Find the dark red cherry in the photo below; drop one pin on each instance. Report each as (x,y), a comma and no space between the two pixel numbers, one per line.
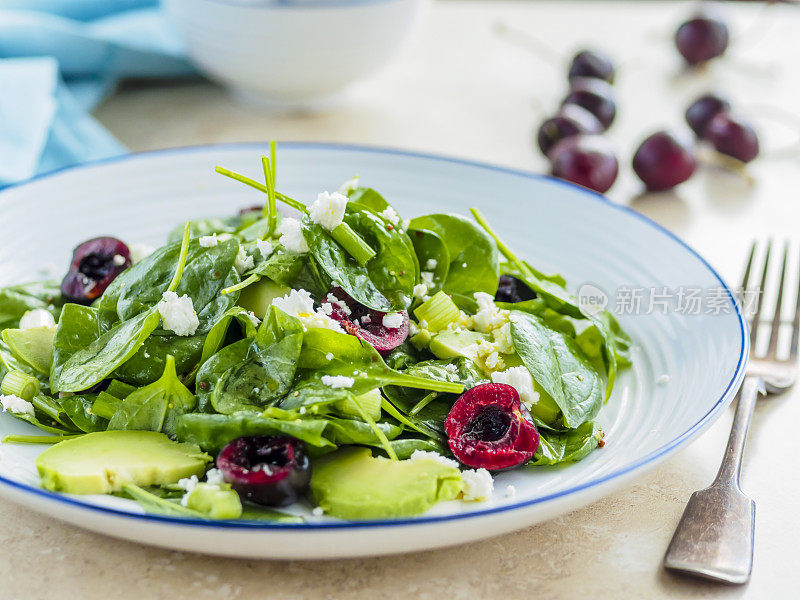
(571,120)
(732,136)
(95,264)
(587,160)
(268,469)
(511,289)
(590,63)
(596,96)
(367,324)
(664,161)
(702,38)
(488,428)
(702,110)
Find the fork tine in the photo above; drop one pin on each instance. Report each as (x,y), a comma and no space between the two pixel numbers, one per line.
(746,277)
(795,327)
(755,321)
(776,319)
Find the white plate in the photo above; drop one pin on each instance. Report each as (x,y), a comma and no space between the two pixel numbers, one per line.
(558,226)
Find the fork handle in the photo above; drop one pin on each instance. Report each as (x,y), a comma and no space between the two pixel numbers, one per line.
(714,538)
(730,469)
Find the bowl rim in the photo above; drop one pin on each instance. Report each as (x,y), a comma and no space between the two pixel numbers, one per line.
(617,475)
(288,5)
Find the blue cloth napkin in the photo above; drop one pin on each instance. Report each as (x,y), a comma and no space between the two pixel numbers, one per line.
(58,59)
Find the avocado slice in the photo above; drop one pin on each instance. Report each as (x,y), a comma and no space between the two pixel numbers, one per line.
(216,501)
(34,346)
(457,342)
(259,296)
(352,484)
(102,462)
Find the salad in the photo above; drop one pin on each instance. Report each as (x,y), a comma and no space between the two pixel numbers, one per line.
(344,361)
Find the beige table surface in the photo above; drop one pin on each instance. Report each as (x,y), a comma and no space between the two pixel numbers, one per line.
(460,90)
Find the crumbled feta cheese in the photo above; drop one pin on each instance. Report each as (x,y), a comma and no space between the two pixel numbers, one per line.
(393,320)
(390,215)
(412,328)
(451,368)
(327,308)
(38,317)
(208,241)
(338,381)
(520,379)
(366,320)
(431,263)
(178,314)
(264,247)
(478,485)
(292,235)
(329,356)
(188,483)
(253,318)
(405,223)
(224,237)
(434,456)
(420,290)
(317,511)
(488,317)
(328,210)
(503,340)
(140,251)
(244,262)
(492,360)
(662,379)
(348,186)
(16,405)
(427,278)
(511,491)
(214,477)
(302,410)
(342,305)
(118,260)
(300,304)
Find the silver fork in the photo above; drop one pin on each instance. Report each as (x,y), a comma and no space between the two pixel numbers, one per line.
(714,538)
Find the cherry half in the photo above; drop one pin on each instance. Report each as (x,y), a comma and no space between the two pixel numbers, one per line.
(488,428)
(95,264)
(270,470)
(591,63)
(702,110)
(663,161)
(596,96)
(587,160)
(364,323)
(511,289)
(570,120)
(732,136)
(701,38)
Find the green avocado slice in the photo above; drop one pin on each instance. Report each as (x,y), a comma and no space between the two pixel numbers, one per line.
(34,346)
(102,462)
(352,484)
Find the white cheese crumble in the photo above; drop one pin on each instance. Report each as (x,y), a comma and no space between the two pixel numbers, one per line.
(520,379)
(329,356)
(478,485)
(118,260)
(366,320)
(327,308)
(300,304)
(38,317)
(420,291)
(393,320)
(208,241)
(140,251)
(451,368)
(431,263)
(338,381)
(15,404)
(434,456)
(214,477)
(662,379)
(328,210)
(292,235)
(405,223)
(390,215)
(188,484)
(244,262)
(511,491)
(488,317)
(427,278)
(178,314)
(264,247)
(342,305)
(317,511)
(253,318)
(348,186)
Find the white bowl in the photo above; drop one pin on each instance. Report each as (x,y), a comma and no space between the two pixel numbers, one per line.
(292,54)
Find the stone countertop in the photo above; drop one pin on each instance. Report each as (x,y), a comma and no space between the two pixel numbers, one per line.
(459,89)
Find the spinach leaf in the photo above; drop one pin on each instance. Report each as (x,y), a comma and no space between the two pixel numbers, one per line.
(566,446)
(354,431)
(254,372)
(78,408)
(559,366)
(281,267)
(16,300)
(78,327)
(155,407)
(405,447)
(216,336)
(101,357)
(474,263)
(429,246)
(368,198)
(156,505)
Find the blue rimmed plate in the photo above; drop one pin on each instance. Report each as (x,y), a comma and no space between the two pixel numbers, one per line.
(689,335)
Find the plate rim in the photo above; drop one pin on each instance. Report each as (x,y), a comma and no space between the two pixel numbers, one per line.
(650,459)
